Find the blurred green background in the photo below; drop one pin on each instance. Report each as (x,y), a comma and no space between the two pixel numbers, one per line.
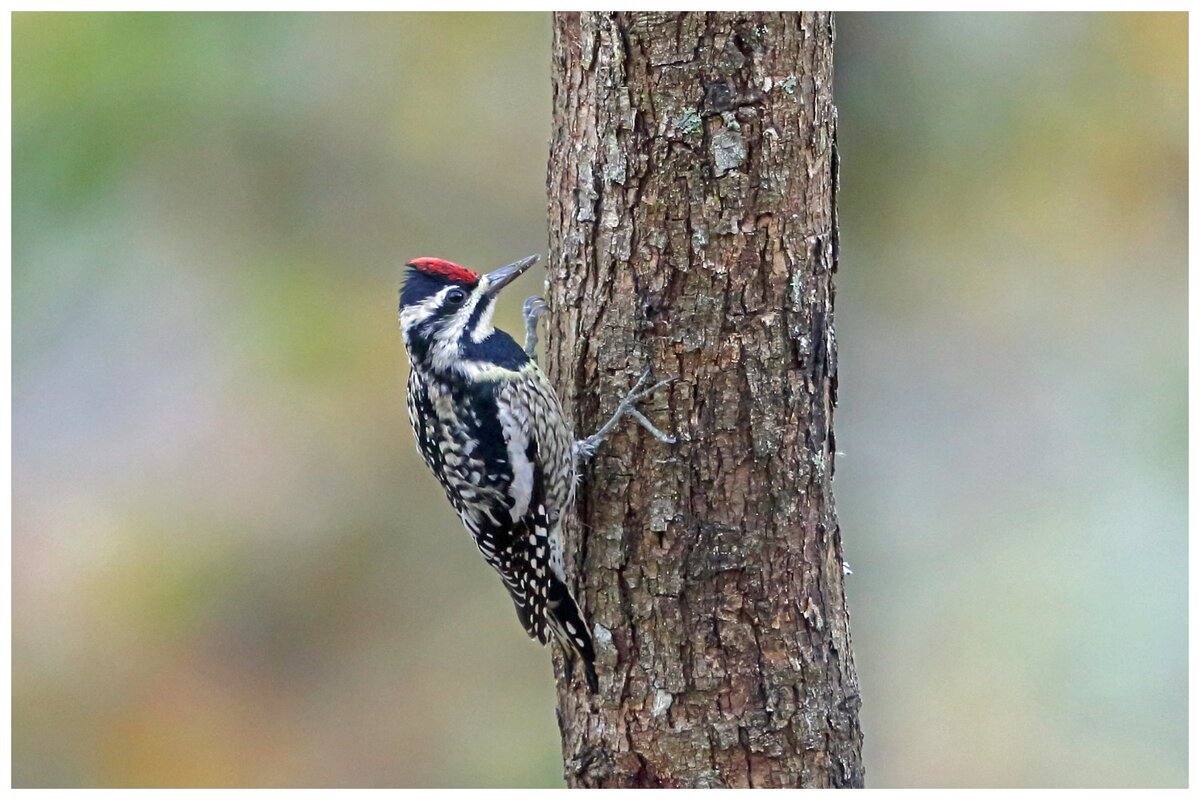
(230,568)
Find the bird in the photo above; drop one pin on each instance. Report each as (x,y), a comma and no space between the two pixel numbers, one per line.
(490,427)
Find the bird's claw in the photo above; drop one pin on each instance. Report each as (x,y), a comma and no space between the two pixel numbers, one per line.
(534,307)
(584,448)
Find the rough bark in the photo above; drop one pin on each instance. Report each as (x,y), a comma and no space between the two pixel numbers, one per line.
(692,223)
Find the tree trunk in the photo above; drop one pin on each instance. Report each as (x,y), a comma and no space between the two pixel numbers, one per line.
(692,226)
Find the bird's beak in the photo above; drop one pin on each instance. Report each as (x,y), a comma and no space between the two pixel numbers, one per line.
(497,279)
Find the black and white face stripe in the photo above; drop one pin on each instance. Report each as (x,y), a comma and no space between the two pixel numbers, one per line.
(437,327)
(480,323)
(445,304)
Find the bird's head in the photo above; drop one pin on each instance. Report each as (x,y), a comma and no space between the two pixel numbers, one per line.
(445,308)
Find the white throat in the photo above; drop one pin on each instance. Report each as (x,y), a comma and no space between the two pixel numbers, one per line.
(483,326)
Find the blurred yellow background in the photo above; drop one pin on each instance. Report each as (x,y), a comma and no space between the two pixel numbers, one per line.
(230,568)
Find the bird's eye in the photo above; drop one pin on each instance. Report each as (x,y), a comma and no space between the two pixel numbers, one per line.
(455,297)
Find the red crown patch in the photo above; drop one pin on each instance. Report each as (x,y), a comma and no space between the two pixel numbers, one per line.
(445,269)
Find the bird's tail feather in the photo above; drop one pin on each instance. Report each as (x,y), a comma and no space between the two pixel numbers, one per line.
(571,629)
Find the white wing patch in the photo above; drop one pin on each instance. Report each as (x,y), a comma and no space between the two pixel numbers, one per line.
(528,408)
(516,437)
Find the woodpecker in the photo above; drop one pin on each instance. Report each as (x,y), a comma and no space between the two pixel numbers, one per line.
(491,429)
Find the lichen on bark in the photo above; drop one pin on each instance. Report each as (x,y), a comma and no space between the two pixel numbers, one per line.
(692,184)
